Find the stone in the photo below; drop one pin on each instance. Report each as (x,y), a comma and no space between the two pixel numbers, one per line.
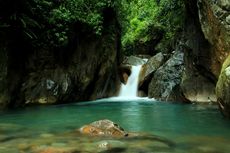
(149,68)
(125,77)
(167,78)
(111,144)
(133,60)
(124,72)
(223,89)
(197,88)
(103,128)
(141,93)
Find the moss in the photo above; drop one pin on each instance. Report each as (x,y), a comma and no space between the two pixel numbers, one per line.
(226,63)
(223,84)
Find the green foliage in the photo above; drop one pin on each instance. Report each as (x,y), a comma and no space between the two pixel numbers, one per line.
(49,22)
(137,17)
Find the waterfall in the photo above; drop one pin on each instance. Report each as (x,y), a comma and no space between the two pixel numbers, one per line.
(130,89)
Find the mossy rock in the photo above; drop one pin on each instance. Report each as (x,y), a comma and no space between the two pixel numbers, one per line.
(223,88)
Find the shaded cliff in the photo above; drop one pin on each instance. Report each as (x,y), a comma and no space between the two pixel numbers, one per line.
(215,23)
(83,69)
(204,41)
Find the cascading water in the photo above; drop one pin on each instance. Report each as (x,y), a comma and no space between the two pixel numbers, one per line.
(130,89)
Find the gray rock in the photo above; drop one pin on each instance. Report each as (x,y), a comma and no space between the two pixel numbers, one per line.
(53,85)
(167,78)
(150,67)
(197,88)
(133,60)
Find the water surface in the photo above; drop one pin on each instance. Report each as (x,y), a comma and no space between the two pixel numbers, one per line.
(191,128)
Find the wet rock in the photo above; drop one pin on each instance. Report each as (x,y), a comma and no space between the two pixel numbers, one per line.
(133,60)
(223,89)
(142,94)
(149,68)
(103,128)
(167,78)
(124,73)
(125,77)
(197,88)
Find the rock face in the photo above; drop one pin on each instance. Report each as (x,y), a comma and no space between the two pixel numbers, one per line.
(86,69)
(90,70)
(167,78)
(223,89)
(214,19)
(149,68)
(103,128)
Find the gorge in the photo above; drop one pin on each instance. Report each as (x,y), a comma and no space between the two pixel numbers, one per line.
(61,62)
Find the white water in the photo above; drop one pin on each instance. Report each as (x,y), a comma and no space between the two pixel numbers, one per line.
(130,89)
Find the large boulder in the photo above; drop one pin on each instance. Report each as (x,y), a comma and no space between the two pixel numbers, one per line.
(149,68)
(165,82)
(223,89)
(197,88)
(103,128)
(198,84)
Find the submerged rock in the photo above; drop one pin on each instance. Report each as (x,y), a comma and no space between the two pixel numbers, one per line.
(54,150)
(111,145)
(103,128)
